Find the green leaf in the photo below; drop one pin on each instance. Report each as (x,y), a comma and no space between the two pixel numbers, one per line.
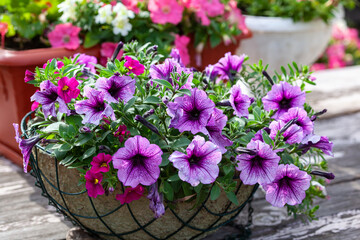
(163,83)
(215,192)
(74,120)
(185,91)
(215,40)
(181,142)
(165,159)
(68,160)
(54,127)
(232,197)
(198,188)
(91,39)
(267,138)
(59,155)
(152,99)
(83,139)
(65,147)
(174,178)
(129,104)
(257,113)
(186,188)
(91,151)
(168,191)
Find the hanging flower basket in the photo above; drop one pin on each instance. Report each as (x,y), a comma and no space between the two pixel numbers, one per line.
(146,150)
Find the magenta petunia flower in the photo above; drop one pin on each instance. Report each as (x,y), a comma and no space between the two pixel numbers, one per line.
(134,66)
(130,194)
(294,134)
(165,11)
(303,120)
(282,97)
(239,102)
(25,145)
(156,201)
(29,76)
(163,71)
(216,123)
(138,162)
(259,168)
(47,97)
(314,141)
(67,88)
(93,184)
(94,108)
(288,187)
(88,60)
(116,88)
(199,164)
(100,163)
(229,65)
(65,35)
(122,133)
(191,113)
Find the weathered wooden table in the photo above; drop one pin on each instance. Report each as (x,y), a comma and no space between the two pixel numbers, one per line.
(25,214)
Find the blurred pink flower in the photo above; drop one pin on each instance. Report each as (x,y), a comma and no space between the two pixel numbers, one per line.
(352,35)
(336,51)
(132,5)
(335,62)
(165,11)
(235,17)
(65,35)
(107,50)
(337,33)
(318,66)
(181,43)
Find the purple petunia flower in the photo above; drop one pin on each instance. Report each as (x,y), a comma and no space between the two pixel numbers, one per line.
(288,187)
(25,145)
(259,136)
(94,108)
(260,167)
(116,88)
(100,163)
(314,141)
(229,65)
(67,88)
(175,54)
(138,162)
(303,120)
(199,164)
(156,201)
(211,72)
(214,127)
(47,97)
(191,113)
(239,102)
(134,66)
(163,71)
(93,184)
(282,97)
(294,134)
(29,76)
(89,61)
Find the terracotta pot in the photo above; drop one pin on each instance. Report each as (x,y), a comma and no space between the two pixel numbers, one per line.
(209,55)
(106,217)
(15,93)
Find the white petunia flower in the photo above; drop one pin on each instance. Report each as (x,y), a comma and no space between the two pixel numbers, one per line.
(67,8)
(121,25)
(122,11)
(105,15)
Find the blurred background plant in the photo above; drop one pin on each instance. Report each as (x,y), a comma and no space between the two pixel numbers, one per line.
(301,10)
(25,22)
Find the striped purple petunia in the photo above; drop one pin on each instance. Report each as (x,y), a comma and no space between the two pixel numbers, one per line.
(293,134)
(191,113)
(303,121)
(282,97)
(116,88)
(288,187)
(259,167)
(94,107)
(199,164)
(239,102)
(138,162)
(229,65)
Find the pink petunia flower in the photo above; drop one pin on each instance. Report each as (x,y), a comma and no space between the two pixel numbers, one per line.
(181,43)
(335,62)
(122,133)
(134,66)
(131,194)
(67,88)
(318,66)
(93,184)
(132,5)
(65,35)
(35,104)
(165,11)
(29,76)
(235,17)
(107,50)
(100,163)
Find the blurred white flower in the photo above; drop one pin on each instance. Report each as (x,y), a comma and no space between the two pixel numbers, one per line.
(121,25)
(105,15)
(67,8)
(122,11)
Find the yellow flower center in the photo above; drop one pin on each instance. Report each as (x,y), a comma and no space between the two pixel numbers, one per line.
(65,88)
(103,165)
(96,181)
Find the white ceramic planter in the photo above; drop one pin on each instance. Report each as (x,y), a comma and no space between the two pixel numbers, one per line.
(279,41)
